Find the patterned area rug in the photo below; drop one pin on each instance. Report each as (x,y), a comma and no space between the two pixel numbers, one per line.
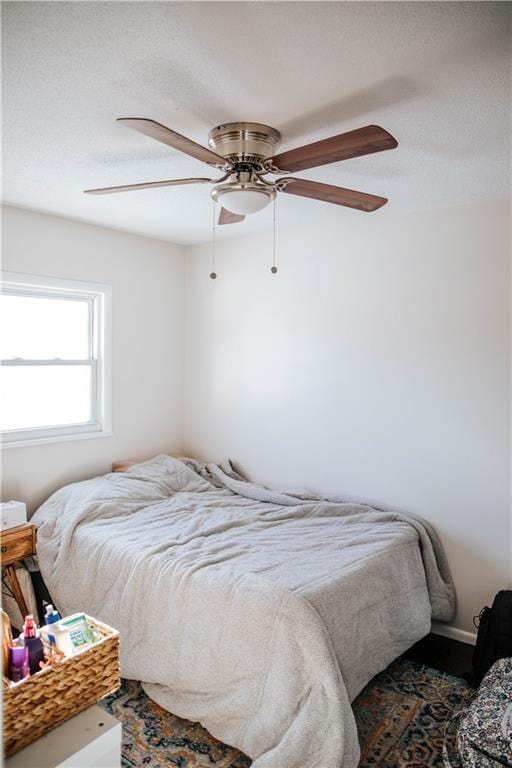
(401,717)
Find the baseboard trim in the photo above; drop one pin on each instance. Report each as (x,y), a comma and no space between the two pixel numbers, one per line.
(445,630)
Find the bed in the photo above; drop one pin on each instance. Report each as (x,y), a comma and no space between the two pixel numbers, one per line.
(261,614)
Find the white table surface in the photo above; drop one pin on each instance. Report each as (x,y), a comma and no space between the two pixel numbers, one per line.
(91,739)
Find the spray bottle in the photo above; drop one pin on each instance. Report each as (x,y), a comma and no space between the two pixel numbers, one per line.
(33,643)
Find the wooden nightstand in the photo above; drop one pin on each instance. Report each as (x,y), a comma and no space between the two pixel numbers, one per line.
(16,544)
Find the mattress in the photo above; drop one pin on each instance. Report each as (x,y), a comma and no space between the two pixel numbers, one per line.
(259,613)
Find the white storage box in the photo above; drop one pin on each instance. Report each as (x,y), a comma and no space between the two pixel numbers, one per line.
(12,514)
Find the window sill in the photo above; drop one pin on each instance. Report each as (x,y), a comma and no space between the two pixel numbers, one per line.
(57,439)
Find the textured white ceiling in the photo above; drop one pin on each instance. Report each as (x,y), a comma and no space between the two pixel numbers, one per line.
(436,75)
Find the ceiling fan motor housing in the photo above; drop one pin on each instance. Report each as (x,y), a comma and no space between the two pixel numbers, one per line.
(244,142)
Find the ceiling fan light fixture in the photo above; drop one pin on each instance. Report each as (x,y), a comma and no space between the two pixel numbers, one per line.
(243,196)
(244,201)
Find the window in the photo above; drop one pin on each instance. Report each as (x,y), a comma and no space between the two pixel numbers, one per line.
(54,359)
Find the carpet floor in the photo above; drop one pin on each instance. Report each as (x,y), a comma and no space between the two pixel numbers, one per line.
(401,717)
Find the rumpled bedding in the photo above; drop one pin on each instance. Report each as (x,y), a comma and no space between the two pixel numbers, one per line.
(259,613)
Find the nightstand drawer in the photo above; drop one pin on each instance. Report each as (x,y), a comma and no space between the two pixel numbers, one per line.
(17,543)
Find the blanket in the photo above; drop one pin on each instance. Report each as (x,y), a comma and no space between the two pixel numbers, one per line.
(259,613)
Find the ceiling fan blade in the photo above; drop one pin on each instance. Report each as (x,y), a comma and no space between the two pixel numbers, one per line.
(228,217)
(330,194)
(362,141)
(144,185)
(175,140)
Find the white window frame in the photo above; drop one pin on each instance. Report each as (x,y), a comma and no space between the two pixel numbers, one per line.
(99,298)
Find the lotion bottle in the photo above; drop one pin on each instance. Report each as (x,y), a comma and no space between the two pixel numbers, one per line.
(19,668)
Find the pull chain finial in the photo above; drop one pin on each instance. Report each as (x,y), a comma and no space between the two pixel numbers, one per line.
(273,268)
(213,273)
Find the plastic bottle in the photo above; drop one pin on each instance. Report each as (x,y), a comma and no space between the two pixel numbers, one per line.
(53,628)
(51,615)
(19,668)
(7,643)
(33,643)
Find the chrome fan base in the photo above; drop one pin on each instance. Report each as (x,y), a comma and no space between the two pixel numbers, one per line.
(244,142)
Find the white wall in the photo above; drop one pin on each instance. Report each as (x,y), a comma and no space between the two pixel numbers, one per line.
(375,363)
(147,278)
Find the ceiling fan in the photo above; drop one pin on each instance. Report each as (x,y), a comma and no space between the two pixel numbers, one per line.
(244,152)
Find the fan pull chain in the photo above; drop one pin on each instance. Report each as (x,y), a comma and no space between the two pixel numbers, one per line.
(213,273)
(273,268)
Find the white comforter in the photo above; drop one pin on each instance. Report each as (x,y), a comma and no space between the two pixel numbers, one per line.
(260,614)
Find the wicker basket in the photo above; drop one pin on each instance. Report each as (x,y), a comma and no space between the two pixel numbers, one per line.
(38,703)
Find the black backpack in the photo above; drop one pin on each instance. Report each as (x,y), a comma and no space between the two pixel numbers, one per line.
(494,639)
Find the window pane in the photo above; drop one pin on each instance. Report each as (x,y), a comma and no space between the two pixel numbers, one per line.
(38,328)
(44,395)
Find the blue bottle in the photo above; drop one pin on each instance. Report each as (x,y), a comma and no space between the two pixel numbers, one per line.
(51,615)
